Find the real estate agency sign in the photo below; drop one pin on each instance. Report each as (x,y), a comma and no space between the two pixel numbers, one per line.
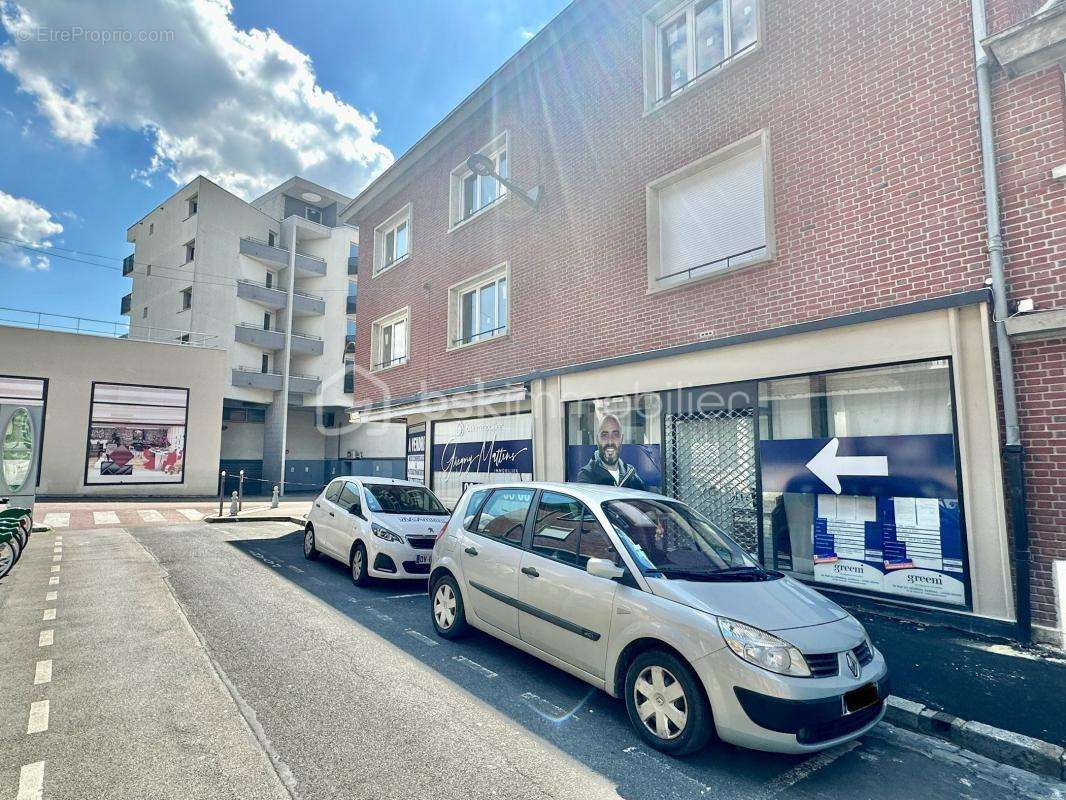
(480,450)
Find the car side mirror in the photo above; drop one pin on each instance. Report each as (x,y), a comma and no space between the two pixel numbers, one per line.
(602,568)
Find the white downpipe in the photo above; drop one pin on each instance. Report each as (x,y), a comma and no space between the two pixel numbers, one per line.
(286,358)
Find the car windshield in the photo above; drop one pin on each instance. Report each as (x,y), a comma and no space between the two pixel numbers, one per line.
(391,499)
(669,537)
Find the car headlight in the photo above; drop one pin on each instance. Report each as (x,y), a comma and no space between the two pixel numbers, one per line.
(384,533)
(763,649)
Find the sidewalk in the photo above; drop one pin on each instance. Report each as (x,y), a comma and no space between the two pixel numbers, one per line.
(287,510)
(976,678)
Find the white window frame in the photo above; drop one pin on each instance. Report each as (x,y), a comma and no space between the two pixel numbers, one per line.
(391,225)
(186,292)
(656,282)
(192,206)
(190,251)
(499,146)
(501,272)
(668,12)
(376,331)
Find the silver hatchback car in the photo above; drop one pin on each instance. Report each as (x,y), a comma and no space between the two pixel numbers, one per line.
(641,596)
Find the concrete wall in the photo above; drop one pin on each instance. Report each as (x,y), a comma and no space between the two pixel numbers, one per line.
(72,362)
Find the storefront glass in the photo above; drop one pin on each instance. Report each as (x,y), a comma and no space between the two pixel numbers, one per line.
(859,481)
(615,441)
(468,452)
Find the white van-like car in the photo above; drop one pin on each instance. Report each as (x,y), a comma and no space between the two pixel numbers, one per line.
(641,596)
(378,527)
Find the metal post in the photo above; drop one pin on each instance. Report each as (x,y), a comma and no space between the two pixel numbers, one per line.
(221,491)
(240,491)
(287,357)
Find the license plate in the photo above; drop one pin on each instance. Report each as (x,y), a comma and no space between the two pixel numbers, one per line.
(863,697)
(423,558)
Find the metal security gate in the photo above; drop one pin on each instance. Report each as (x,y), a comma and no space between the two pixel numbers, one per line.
(709,436)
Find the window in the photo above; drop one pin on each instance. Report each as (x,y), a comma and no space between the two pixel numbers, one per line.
(151,228)
(349,499)
(389,499)
(392,240)
(470,192)
(266,320)
(144,313)
(265,364)
(334,491)
(193,204)
(478,307)
(565,530)
(504,515)
(615,441)
(272,239)
(184,338)
(712,216)
(694,40)
(389,341)
(190,251)
(186,299)
(474,506)
(313,214)
(269,280)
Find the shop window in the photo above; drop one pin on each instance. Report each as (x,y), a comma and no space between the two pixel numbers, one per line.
(615,442)
(860,481)
(392,240)
(478,308)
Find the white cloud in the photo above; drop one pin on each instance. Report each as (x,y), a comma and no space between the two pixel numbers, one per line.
(26,222)
(527,33)
(242,107)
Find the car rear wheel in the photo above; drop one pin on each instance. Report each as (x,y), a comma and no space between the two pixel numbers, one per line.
(310,550)
(359,573)
(666,705)
(449,616)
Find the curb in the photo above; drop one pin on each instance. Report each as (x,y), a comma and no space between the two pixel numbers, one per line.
(273,518)
(1006,747)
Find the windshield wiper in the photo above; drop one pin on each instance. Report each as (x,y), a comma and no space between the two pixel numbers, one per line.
(741,573)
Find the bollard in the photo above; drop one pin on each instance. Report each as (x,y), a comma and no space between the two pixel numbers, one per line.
(221,491)
(233,505)
(274,498)
(240,491)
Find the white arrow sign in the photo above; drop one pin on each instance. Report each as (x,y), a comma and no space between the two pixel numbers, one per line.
(827,466)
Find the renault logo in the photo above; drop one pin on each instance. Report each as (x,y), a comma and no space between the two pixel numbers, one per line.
(853,664)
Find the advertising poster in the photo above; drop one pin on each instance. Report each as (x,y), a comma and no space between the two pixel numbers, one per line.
(136,435)
(416,453)
(482,450)
(886,515)
(615,442)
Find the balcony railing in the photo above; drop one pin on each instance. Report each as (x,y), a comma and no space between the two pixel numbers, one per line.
(139,332)
(274,339)
(279,257)
(127,265)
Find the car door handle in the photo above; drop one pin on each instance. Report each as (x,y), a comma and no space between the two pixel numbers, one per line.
(531,572)
(318,505)
(332,514)
(471,551)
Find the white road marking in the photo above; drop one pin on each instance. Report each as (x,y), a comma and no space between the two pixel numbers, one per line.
(484,671)
(51,596)
(46,638)
(38,717)
(402,596)
(544,707)
(151,515)
(49,615)
(31,782)
(43,673)
(786,780)
(296,569)
(58,558)
(57,520)
(105,518)
(191,514)
(55,568)
(421,637)
(383,617)
(53,581)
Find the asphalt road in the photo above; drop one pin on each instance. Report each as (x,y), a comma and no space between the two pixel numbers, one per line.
(214,661)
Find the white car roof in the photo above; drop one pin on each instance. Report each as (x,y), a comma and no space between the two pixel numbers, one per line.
(375,481)
(589,492)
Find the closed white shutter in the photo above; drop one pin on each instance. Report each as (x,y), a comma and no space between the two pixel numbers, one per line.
(713,215)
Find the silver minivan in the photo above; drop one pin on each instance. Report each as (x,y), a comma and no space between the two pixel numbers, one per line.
(641,596)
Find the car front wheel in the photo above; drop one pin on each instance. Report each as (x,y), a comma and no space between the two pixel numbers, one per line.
(310,551)
(359,572)
(666,705)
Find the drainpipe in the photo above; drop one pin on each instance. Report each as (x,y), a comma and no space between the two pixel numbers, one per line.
(1000,312)
(287,356)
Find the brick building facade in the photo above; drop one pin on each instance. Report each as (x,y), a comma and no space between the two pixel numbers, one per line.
(852,133)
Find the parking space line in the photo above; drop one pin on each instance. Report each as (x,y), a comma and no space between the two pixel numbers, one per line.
(57,520)
(31,782)
(51,596)
(46,638)
(38,722)
(786,780)
(48,615)
(54,581)
(150,515)
(402,596)
(43,674)
(55,568)
(421,637)
(105,518)
(383,617)
(58,558)
(191,514)
(484,671)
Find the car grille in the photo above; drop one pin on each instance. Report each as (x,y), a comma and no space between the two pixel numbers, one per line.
(842,726)
(823,665)
(416,569)
(421,542)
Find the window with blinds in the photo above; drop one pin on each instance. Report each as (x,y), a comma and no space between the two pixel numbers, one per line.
(714,217)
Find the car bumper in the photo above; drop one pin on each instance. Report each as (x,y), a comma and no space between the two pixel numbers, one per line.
(761,710)
(396,560)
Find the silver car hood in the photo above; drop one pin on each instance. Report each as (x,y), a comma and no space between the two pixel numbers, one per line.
(412,524)
(776,605)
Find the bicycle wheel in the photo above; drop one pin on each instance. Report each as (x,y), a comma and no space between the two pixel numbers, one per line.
(8,558)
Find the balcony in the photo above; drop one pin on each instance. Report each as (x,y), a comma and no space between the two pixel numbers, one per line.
(304,304)
(349,307)
(258,336)
(279,258)
(127,265)
(126,300)
(249,378)
(353,266)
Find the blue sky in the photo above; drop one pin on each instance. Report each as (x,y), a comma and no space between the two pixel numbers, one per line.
(96,133)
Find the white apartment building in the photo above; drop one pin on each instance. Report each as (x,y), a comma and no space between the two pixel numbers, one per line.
(274,281)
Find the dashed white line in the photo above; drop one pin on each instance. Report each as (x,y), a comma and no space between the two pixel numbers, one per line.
(54,581)
(31,782)
(43,673)
(150,515)
(105,518)
(51,596)
(484,671)
(38,717)
(55,568)
(57,520)
(58,558)
(402,596)
(421,637)
(383,617)
(46,638)
(48,615)
(191,514)
(296,569)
